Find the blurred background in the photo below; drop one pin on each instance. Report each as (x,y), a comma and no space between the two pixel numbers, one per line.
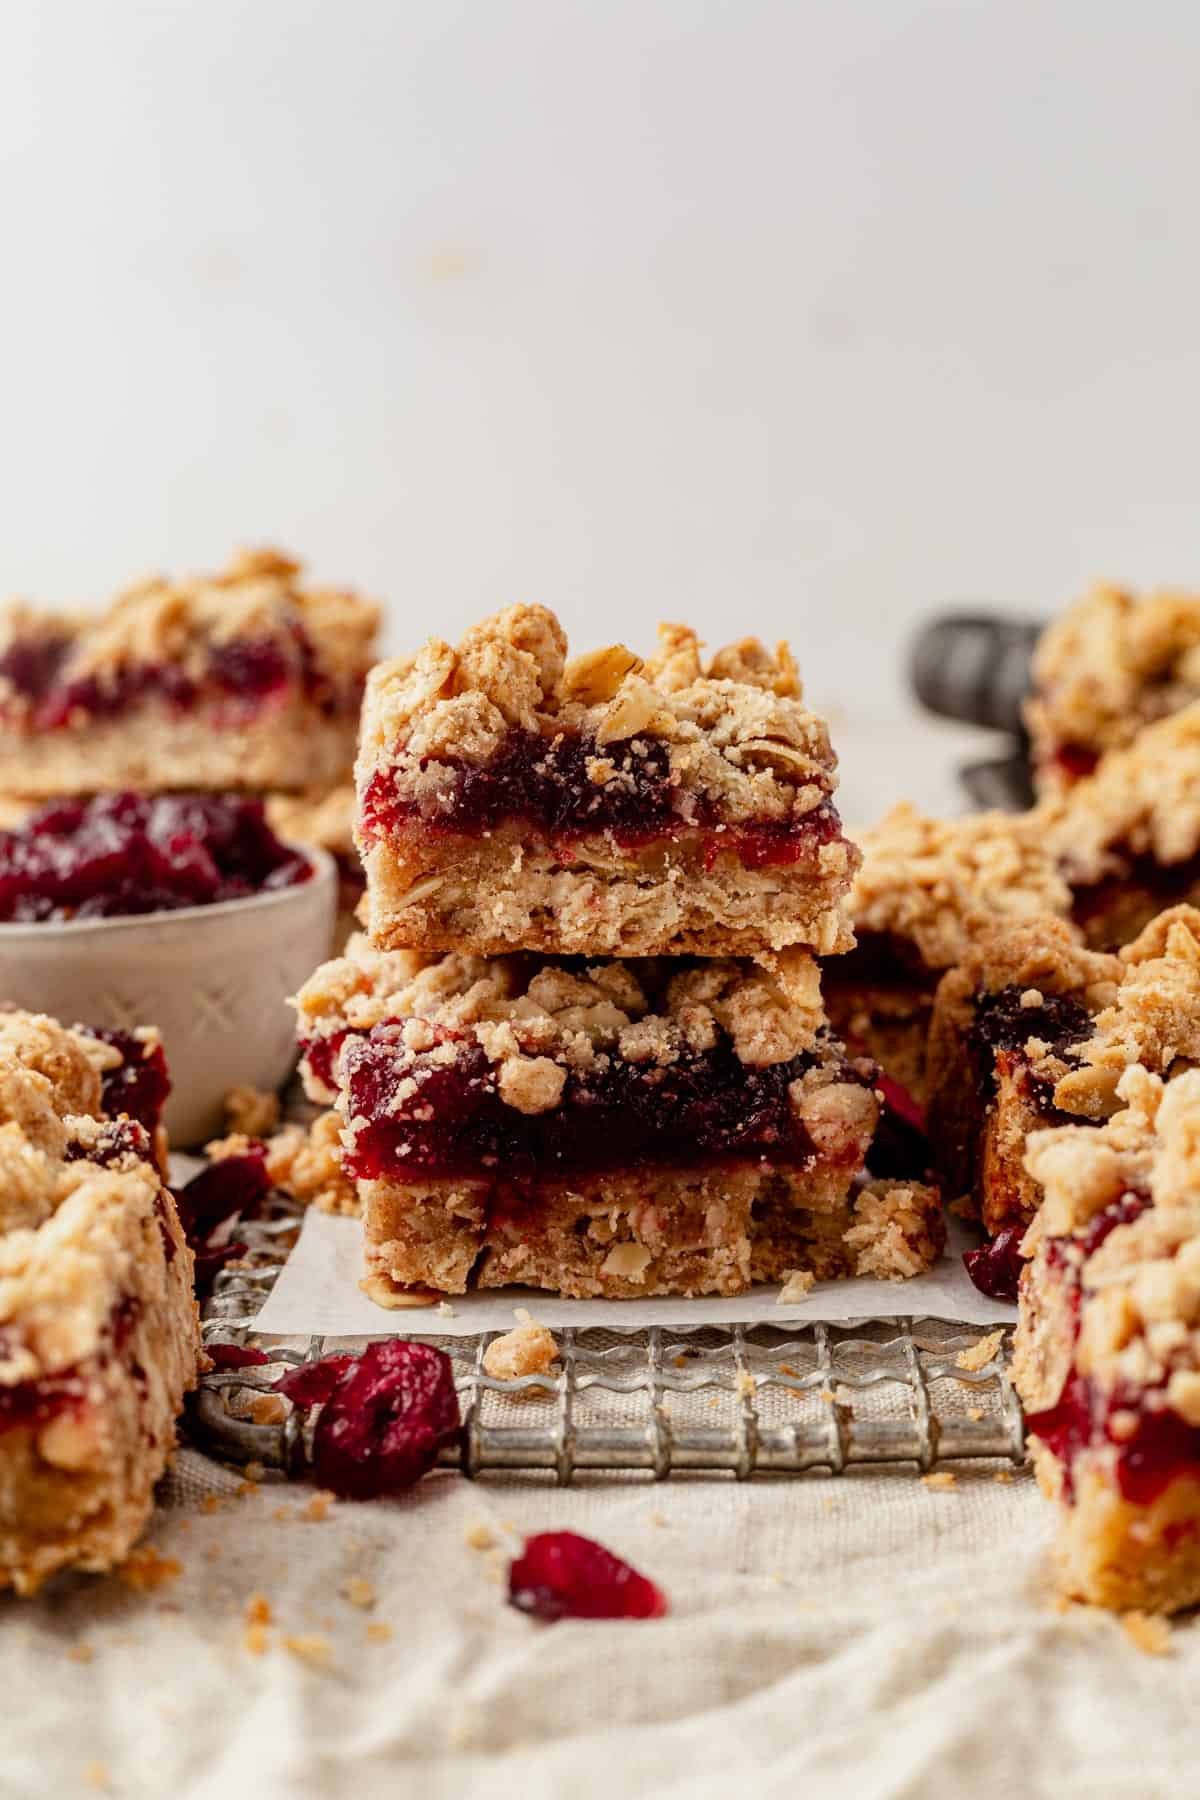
(804,319)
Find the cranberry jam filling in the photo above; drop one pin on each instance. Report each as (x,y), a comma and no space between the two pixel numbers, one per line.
(1003,1026)
(133,853)
(32,1404)
(138,1086)
(545,783)
(428,1119)
(242,677)
(1161,1448)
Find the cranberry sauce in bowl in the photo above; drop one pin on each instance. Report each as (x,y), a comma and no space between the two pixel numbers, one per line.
(180,911)
(125,854)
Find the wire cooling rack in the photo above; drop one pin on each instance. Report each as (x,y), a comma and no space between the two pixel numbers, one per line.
(743,1401)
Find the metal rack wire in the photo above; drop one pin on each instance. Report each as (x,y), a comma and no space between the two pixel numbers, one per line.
(741,1401)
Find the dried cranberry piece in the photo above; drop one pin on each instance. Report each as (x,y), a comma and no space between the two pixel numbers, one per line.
(232,1185)
(312,1384)
(224,1189)
(235,1356)
(385,1416)
(561,1575)
(995,1267)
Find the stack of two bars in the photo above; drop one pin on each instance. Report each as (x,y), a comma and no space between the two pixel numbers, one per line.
(583,1046)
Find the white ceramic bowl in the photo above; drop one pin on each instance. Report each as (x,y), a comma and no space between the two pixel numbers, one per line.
(214,979)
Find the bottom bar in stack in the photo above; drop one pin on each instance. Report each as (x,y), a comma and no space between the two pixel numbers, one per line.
(622,1129)
(99,1333)
(1107,1353)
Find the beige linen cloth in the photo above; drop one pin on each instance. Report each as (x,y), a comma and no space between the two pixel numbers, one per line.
(862,1636)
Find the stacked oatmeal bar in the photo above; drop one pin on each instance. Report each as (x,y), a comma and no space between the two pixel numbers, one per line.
(99,1333)
(585,1047)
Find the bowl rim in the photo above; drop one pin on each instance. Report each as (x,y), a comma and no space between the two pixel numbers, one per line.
(324,875)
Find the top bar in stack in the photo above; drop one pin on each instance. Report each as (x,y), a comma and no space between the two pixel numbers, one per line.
(599,807)
(240,680)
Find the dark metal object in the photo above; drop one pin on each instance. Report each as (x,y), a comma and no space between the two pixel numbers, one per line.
(977,669)
(974,669)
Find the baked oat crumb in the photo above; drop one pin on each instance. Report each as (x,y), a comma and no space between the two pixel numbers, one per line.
(258,1610)
(976,1414)
(1005,1477)
(1148,1632)
(797,1284)
(479,1536)
(316,1511)
(268,1409)
(98,1775)
(250,1112)
(983,1351)
(941,1481)
(745,1386)
(145,1570)
(310,1648)
(529,1349)
(358,1592)
(81,1653)
(446,1311)
(379,1632)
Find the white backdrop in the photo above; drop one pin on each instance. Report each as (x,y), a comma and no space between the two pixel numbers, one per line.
(812,318)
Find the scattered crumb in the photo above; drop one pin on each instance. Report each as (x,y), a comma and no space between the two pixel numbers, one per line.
(828,1395)
(530,1349)
(311,1648)
(679,1362)
(258,1610)
(255,1471)
(282,1513)
(268,1409)
(658,1518)
(212,1503)
(358,1592)
(379,1633)
(80,1653)
(244,1488)
(251,1112)
(318,1507)
(787,1369)
(981,1352)
(146,1569)
(256,1639)
(1003,1476)
(975,1414)
(942,1480)
(715,1401)
(479,1536)
(796,1285)
(745,1385)
(97,1775)
(1148,1631)
(447,1311)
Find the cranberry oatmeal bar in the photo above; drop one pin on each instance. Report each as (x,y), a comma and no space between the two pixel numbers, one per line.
(1127,838)
(99,1333)
(1111,665)
(241,680)
(604,806)
(624,1128)
(1107,1352)
(1034,1030)
(926,888)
